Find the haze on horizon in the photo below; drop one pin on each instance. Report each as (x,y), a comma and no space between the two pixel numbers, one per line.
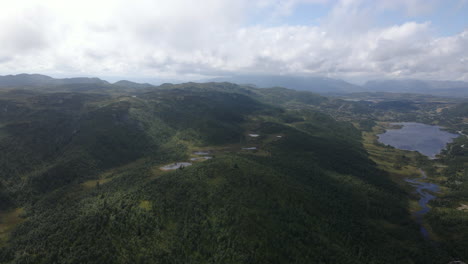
(355,40)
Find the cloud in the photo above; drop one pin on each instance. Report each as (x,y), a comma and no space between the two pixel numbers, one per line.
(286,7)
(5,59)
(23,31)
(146,38)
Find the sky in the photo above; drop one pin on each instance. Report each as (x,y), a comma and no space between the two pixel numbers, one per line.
(354,40)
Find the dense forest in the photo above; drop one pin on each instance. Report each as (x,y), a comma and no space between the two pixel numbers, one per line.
(288,179)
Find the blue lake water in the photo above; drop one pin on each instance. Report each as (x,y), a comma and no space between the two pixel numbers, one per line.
(426,139)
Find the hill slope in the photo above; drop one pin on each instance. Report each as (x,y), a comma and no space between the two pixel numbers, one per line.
(282,185)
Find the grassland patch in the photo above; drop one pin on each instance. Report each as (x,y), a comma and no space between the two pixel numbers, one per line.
(8,221)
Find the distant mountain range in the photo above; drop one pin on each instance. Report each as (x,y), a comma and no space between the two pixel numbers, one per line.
(320,85)
(441,88)
(335,86)
(43,80)
(303,83)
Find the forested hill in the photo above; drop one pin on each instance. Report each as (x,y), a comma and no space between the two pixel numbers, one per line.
(38,80)
(81,179)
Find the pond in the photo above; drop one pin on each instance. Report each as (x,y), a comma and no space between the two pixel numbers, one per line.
(250,148)
(427,140)
(176,165)
(201,158)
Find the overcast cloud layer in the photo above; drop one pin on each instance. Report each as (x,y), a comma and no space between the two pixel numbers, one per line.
(169,39)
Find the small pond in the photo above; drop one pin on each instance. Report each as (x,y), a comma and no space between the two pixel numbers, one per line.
(201,153)
(176,165)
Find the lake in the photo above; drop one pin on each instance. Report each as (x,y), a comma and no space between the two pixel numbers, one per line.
(427,140)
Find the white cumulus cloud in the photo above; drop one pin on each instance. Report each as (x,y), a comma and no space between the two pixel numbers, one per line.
(147,38)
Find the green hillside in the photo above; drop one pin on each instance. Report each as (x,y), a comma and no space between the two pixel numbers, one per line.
(81,180)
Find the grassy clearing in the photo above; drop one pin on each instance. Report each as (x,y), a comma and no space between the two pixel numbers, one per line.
(8,221)
(440,109)
(145,205)
(399,163)
(93,183)
(463,206)
(108,175)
